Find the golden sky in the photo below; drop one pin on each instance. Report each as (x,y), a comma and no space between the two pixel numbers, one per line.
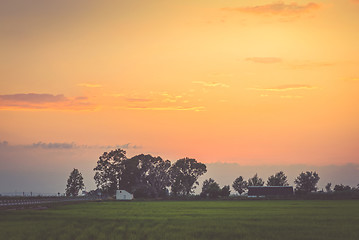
(249,82)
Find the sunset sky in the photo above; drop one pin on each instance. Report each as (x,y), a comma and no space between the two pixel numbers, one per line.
(248,82)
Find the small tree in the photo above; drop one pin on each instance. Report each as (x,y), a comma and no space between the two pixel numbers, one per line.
(255,181)
(279,179)
(328,187)
(342,188)
(240,185)
(225,191)
(109,170)
(307,182)
(75,183)
(210,189)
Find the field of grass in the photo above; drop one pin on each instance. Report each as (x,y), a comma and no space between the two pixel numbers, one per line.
(186,220)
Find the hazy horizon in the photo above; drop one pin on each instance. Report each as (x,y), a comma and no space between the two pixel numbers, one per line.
(55,161)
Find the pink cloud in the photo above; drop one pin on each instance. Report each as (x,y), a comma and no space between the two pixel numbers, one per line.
(23,101)
(33,98)
(279,8)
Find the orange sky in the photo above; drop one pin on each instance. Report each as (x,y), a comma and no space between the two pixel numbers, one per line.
(248,82)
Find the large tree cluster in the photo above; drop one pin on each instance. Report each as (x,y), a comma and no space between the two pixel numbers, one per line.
(145,175)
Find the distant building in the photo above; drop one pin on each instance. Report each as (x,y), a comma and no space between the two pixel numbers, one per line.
(262,191)
(123,195)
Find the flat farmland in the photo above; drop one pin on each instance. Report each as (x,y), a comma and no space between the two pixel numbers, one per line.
(252,219)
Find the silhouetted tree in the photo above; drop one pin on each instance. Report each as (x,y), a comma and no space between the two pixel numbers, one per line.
(240,185)
(307,182)
(109,169)
(279,179)
(143,175)
(225,191)
(75,183)
(255,181)
(184,174)
(146,176)
(342,188)
(328,187)
(210,189)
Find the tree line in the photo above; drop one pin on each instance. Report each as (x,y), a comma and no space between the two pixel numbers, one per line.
(151,177)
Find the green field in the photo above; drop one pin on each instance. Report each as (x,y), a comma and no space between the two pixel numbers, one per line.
(186,220)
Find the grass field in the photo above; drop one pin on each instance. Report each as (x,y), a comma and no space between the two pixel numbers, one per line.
(186,220)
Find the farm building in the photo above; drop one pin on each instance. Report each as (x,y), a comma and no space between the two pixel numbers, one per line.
(255,191)
(123,195)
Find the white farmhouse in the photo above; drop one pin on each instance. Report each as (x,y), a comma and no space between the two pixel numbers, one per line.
(123,195)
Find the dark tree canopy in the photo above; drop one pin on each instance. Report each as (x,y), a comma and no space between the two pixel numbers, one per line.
(279,179)
(75,183)
(225,191)
(240,185)
(307,182)
(210,189)
(143,175)
(109,170)
(184,174)
(146,176)
(342,188)
(255,181)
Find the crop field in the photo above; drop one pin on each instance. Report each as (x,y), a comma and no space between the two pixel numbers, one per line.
(262,219)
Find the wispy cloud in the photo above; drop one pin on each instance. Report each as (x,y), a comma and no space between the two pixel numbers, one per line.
(138,99)
(43,101)
(279,8)
(52,145)
(33,98)
(284,88)
(4,144)
(170,98)
(211,84)
(89,85)
(264,59)
(174,108)
(154,100)
(67,146)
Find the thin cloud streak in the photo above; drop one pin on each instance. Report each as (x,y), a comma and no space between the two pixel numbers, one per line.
(36,101)
(138,99)
(67,146)
(179,108)
(284,88)
(33,98)
(211,84)
(279,8)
